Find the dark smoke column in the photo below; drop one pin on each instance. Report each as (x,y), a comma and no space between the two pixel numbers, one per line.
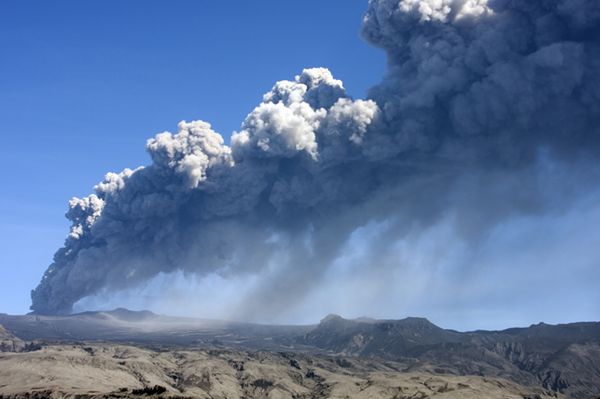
(472,85)
(202,206)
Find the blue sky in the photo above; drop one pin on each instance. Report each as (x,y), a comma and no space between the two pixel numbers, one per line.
(84,84)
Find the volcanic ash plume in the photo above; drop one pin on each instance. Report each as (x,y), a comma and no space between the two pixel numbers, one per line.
(476,92)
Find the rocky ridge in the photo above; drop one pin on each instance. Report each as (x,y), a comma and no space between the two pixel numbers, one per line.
(556,359)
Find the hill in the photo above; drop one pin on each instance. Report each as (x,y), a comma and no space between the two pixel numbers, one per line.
(116,371)
(564,359)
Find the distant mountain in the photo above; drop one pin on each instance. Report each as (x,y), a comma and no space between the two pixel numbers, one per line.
(385,338)
(144,327)
(562,358)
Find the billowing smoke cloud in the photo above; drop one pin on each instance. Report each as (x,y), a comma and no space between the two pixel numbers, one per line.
(486,107)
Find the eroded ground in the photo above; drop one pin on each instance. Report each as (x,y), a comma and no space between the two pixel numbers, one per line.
(110,370)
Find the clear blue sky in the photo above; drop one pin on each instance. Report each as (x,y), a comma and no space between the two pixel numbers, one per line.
(84,84)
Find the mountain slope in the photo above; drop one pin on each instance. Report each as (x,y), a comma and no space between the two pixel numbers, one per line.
(143,327)
(8,342)
(385,338)
(563,358)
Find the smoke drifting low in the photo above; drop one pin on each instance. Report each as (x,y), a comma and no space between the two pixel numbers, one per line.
(489,108)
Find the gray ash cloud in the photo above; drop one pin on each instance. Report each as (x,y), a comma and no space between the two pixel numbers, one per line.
(484,103)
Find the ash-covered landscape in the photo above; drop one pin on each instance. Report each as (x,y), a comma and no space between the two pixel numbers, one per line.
(123,353)
(426,227)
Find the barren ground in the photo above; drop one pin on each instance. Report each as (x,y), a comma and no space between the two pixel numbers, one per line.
(112,370)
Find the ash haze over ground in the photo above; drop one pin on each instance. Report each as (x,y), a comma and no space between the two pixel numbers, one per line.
(463,188)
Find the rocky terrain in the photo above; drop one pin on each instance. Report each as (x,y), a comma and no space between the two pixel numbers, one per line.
(124,354)
(561,358)
(8,342)
(112,370)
